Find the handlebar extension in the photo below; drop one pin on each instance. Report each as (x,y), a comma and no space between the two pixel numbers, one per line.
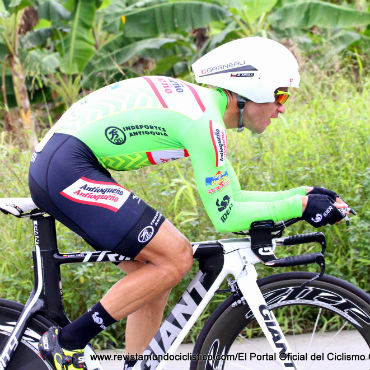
(303,259)
(305,238)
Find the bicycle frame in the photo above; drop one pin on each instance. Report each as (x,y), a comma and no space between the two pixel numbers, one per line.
(217,260)
(225,257)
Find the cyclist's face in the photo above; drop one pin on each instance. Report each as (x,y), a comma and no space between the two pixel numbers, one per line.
(257,116)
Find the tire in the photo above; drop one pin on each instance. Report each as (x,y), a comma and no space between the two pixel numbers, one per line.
(330,309)
(26,356)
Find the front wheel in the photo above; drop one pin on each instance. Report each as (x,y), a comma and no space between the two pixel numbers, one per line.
(26,356)
(327,325)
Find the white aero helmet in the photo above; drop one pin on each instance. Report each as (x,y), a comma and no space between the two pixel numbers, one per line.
(252,67)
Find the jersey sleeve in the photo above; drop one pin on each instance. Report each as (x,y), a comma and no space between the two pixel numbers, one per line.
(230,208)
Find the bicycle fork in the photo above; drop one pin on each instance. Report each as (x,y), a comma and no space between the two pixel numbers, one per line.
(247,284)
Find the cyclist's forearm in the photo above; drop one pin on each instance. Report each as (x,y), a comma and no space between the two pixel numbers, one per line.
(268,196)
(241,215)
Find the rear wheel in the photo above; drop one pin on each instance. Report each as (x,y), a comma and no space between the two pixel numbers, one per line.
(327,325)
(26,356)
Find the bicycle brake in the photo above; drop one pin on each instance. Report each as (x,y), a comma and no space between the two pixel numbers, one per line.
(344,211)
(303,259)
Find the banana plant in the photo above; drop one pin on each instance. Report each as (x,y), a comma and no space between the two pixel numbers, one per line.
(71,24)
(97,42)
(321,27)
(11,17)
(307,14)
(158,30)
(66,29)
(247,18)
(250,15)
(78,46)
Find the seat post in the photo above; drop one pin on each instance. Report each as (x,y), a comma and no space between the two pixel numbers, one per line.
(44,233)
(47,270)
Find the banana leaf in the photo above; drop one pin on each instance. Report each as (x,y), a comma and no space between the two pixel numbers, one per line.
(253,9)
(77,47)
(53,11)
(171,17)
(117,52)
(318,13)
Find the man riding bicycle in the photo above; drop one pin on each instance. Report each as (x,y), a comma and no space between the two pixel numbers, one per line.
(148,121)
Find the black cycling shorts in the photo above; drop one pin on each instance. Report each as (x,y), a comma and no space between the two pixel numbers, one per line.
(67,181)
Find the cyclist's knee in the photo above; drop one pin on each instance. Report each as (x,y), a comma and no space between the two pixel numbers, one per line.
(170,251)
(167,246)
(184,259)
(177,264)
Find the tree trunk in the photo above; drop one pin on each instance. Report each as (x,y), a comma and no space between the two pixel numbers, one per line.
(23,102)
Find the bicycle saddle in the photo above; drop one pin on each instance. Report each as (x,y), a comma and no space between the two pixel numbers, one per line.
(17,206)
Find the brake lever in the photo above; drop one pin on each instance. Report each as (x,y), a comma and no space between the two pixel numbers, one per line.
(344,211)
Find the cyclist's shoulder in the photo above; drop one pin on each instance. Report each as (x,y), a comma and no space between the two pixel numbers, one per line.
(145,103)
(167,95)
(190,100)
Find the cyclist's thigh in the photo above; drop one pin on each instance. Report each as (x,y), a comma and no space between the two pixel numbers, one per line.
(168,246)
(67,181)
(130,266)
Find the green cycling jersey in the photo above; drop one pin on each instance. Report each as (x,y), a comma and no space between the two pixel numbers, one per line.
(153,120)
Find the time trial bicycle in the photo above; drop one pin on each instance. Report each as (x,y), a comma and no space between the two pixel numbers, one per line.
(279,306)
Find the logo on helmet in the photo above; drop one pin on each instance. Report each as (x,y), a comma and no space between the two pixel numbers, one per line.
(238,66)
(242,75)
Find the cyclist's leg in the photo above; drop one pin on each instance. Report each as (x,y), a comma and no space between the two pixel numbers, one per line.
(169,257)
(143,323)
(68,182)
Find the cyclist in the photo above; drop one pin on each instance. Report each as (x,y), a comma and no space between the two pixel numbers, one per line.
(153,120)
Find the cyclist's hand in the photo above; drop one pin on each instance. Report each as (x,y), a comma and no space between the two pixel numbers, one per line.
(331,194)
(321,210)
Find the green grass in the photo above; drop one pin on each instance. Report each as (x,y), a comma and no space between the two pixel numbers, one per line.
(322,140)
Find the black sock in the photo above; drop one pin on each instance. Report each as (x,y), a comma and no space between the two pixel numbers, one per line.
(78,333)
(129,364)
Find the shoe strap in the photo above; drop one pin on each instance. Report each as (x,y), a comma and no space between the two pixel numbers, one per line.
(78,361)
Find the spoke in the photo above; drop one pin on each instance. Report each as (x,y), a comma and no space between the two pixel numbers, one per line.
(293,329)
(255,347)
(313,334)
(250,343)
(336,334)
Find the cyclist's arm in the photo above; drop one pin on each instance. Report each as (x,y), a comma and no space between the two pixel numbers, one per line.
(228,208)
(261,196)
